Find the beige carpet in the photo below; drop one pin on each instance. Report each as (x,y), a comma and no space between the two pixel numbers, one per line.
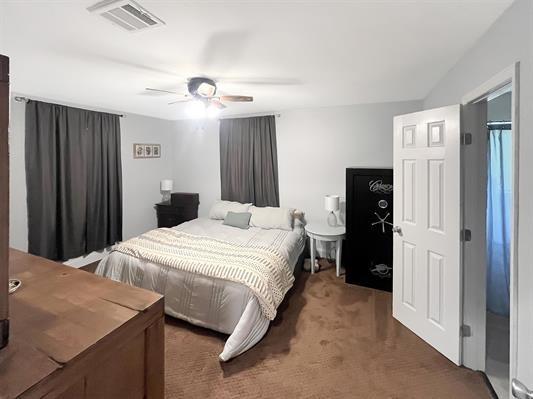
(330,340)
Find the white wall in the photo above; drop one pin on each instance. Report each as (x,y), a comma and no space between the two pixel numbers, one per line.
(315,146)
(141,177)
(3,29)
(500,108)
(509,40)
(18,217)
(197,161)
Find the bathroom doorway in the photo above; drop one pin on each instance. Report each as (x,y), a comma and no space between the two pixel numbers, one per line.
(498,238)
(490,171)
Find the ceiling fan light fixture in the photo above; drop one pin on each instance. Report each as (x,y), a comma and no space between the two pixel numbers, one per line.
(201,87)
(213,111)
(202,99)
(196,109)
(206,89)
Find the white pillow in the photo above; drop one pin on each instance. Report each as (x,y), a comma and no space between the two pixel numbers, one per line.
(271,218)
(220,209)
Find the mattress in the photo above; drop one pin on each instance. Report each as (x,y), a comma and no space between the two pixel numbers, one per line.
(220,305)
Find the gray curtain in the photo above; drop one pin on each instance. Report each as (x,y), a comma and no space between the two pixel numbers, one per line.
(74,180)
(249,160)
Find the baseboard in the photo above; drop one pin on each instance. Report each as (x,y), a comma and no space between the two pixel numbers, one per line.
(492,392)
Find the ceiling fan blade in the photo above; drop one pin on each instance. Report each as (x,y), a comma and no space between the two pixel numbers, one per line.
(217,104)
(164,91)
(183,100)
(237,98)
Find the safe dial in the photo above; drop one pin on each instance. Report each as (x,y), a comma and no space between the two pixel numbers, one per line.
(383,204)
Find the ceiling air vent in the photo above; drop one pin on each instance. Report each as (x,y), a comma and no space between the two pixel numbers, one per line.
(127,14)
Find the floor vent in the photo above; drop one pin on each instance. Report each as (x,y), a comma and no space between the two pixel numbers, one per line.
(127,14)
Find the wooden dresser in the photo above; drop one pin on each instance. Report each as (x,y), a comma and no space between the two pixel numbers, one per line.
(182,207)
(77,335)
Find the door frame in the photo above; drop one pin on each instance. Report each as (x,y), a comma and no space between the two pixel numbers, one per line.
(509,76)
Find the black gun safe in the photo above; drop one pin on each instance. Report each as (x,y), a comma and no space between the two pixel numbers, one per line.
(368,245)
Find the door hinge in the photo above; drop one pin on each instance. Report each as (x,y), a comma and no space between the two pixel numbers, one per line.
(465,331)
(466,138)
(466,235)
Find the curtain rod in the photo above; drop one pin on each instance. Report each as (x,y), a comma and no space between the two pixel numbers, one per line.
(21,99)
(499,122)
(278,115)
(499,125)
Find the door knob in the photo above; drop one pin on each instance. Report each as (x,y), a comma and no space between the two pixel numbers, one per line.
(520,391)
(397,229)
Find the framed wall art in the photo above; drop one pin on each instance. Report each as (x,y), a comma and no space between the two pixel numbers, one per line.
(142,150)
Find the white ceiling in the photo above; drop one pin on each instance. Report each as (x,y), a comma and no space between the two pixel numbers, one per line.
(287,54)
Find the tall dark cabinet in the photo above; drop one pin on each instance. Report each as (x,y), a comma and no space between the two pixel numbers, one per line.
(368,248)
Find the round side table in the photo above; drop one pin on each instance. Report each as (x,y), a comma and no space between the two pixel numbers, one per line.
(323,232)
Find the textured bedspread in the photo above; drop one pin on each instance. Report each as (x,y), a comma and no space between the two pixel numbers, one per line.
(262,269)
(221,305)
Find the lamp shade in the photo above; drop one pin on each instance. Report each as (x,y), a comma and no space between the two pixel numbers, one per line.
(331,203)
(166,185)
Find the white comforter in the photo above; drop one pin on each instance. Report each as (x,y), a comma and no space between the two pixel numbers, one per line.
(217,304)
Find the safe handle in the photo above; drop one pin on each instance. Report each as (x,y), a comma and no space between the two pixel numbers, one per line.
(397,229)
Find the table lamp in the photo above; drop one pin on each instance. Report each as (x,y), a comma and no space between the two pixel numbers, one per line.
(331,203)
(166,189)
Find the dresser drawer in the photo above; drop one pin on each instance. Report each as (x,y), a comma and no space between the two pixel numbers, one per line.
(171,214)
(169,220)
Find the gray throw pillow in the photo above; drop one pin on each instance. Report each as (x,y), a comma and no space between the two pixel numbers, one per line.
(238,219)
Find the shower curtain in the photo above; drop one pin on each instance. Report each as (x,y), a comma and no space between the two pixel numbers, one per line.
(498,218)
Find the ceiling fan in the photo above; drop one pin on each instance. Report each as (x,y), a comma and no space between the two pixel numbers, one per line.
(203,91)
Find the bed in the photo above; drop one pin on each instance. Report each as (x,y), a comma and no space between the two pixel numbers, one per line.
(220,304)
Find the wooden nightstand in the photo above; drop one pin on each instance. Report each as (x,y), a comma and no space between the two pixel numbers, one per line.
(182,207)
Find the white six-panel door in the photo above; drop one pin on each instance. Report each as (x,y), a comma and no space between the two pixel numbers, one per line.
(427,215)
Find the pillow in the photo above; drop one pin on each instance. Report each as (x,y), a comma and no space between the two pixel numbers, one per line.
(221,208)
(271,218)
(240,220)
